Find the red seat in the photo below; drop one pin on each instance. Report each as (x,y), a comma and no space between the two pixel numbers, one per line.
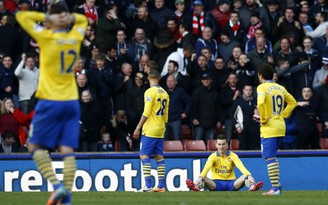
(234,144)
(323,143)
(173,145)
(195,145)
(211,145)
(117,145)
(185,131)
(319,127)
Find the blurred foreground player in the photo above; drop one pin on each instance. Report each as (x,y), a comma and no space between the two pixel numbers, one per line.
(57,114)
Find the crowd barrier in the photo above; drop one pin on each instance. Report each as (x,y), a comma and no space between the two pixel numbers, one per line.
(300,170)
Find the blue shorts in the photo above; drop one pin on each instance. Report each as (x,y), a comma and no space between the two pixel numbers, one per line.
(224,185)
(269,146)
(150,145)
(56,123)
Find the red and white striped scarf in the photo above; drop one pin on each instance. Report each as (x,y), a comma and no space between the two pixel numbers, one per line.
(195,22)
(90,13)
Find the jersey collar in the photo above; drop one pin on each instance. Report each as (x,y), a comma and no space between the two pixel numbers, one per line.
(227,153)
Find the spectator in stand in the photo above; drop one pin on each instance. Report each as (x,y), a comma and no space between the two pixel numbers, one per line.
(172,25)
(255,23)
(107,28)
(123,85)
(260,55)
(89,10)
(182,80)
(8,121)
(179,108)
(274,13)
(90,124)
(181,13)
(207,41)
(143,21)
(320,30)
(321,75)
(320,5)
(28,79)
(160,13)
(313,56)
(95,52)
(286,25)
(245,73)
(111,58)
(102,79)
(226,45)
(8,144)
(236,30)
(82,84)
(3,11)
(251,43)
(10,38)
(291,139)
(140,66)
(234,58)
(106,144)
(201,18)
(306,124)
(183,57)
(304,20)
(89,41)
(228,96)
(199,68)
(250,7)
(241,114)
(135,103)
(165,43)
(237,5)
(222,13)
(125,50)
(322,99)
(206,114)
(141,44)
(220,74)
(186,38)
(321,44)
(8,81)
(80,66)
(208,54)
(121,128)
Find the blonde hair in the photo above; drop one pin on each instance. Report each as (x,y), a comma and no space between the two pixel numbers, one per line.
(3,109)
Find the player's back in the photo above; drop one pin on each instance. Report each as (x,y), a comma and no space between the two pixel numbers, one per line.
(156,110)
(271,103)
(58,53)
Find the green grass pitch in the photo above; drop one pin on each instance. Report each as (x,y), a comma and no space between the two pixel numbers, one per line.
(173,198)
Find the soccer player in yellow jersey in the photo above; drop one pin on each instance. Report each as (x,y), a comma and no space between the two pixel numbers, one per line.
(57,114)
(153,122)
(222,164)
(271,100)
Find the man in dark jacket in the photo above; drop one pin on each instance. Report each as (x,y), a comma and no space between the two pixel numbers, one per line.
(179,108)
(207,114)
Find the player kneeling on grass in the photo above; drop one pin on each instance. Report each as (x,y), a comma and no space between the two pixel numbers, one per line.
(222,164)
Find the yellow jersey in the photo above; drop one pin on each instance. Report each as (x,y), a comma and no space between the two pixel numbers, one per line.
(223,167)
(156,110)
(58,54)
(271,99)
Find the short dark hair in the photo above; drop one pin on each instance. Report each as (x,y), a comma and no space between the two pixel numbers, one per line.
(221,137)
(266,71)
(174,63)
(8,134)
(154,74)
(58,8)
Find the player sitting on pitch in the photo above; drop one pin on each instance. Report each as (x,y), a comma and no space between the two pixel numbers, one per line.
(222,164)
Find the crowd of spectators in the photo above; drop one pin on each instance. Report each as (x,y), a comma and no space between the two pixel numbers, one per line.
(207,52)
